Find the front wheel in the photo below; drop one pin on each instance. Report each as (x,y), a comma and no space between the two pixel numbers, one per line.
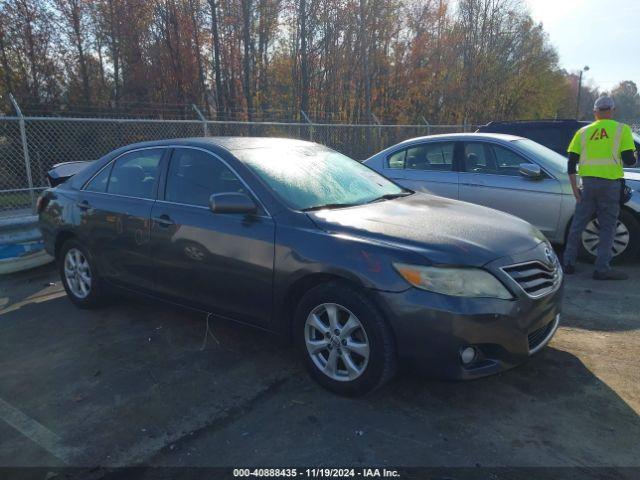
(80,276)
(626,242)
(344,340)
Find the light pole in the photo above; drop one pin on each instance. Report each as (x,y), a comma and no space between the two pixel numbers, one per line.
(585,69)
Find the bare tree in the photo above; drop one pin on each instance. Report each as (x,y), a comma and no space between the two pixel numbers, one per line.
(73,13)
(217,70)
(247,60)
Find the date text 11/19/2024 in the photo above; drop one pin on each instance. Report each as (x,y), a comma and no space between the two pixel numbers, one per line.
(316,472)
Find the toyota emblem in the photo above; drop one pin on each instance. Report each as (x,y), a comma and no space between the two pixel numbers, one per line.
(550,255)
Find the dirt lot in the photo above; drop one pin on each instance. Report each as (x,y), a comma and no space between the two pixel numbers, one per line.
(134,384)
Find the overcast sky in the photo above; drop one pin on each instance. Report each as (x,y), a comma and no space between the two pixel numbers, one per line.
(603,34)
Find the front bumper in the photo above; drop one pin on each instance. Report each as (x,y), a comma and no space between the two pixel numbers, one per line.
(432,329)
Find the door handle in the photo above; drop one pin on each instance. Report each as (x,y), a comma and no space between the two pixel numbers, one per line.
(164,220)
(83,205)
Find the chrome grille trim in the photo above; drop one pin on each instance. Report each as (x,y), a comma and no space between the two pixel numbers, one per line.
(535,278)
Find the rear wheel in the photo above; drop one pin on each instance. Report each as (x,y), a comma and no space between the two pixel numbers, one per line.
(343,339)
(626,243)
(79,275)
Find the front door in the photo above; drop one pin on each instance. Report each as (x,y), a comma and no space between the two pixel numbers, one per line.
(426,167)
(219,262)
(116,207)
(492,178)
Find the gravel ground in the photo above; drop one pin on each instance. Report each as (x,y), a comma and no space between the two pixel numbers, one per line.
(137,384)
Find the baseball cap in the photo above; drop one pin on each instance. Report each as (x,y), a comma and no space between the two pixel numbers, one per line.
(604,103)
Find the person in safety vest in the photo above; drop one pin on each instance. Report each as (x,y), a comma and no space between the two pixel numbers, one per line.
(599,150)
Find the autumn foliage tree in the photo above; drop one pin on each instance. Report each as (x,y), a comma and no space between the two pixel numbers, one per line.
(337,60)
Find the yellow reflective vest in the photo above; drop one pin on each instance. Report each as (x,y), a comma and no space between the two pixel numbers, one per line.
(600,145)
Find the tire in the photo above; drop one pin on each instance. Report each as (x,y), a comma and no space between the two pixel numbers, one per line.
(628,231)
(362,349)
(74,253)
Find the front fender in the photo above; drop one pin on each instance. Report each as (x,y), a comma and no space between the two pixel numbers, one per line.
(311,252)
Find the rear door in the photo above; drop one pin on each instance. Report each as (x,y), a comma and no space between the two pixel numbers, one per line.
(219,262)
(115,209)
(491,178)
(429,167)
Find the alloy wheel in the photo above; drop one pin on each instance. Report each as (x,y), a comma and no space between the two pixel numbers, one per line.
(77,273)
(590,239)
(336,342)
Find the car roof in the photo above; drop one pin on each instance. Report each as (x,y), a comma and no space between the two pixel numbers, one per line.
(533,123)
(465,136)
(500,137)
(242,143)
(228,143)
(542,120)
(235,143)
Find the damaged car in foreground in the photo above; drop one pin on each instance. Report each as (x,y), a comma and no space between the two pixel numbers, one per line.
(296,239)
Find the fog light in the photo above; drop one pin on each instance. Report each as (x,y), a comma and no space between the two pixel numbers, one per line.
(468,355)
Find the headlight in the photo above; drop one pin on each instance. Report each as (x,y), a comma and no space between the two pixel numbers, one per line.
(458,282)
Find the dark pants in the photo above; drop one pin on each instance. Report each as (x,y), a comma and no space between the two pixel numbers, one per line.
(600,196)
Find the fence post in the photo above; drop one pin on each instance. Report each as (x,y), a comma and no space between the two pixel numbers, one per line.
(379,141)
(427,124)
(205,126)
(25,151)
(308,120)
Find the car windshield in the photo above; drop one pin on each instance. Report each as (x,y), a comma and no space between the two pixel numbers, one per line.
(310,177)
(547,157)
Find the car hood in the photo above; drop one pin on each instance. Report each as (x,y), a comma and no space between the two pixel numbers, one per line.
(447,232)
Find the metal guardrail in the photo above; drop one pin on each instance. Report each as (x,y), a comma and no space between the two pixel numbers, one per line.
(21,245)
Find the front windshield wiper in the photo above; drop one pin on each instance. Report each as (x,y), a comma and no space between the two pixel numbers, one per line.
(390,196)
(330,206)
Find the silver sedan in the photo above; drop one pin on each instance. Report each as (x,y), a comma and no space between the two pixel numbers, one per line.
(508,173)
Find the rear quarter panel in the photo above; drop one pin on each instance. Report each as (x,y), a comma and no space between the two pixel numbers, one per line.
(59,216)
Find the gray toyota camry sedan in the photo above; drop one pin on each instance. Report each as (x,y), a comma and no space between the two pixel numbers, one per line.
(298,240)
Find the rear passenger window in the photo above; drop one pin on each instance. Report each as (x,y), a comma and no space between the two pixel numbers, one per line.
(195,175)
(100,181)
(431,156)
(134,174)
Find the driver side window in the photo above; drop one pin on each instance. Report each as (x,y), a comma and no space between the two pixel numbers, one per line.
(195,175)
(476,158)
(491,159)
(507,162)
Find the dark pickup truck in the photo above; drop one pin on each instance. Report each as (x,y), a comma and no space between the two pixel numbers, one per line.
(553,134)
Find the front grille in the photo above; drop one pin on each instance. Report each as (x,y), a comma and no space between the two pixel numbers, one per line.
(536,278)
(538,336)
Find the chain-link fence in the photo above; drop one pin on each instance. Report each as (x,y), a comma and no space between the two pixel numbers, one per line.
(29,146)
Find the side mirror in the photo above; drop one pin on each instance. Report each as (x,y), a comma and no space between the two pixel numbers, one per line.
(530,170)
(232,203)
